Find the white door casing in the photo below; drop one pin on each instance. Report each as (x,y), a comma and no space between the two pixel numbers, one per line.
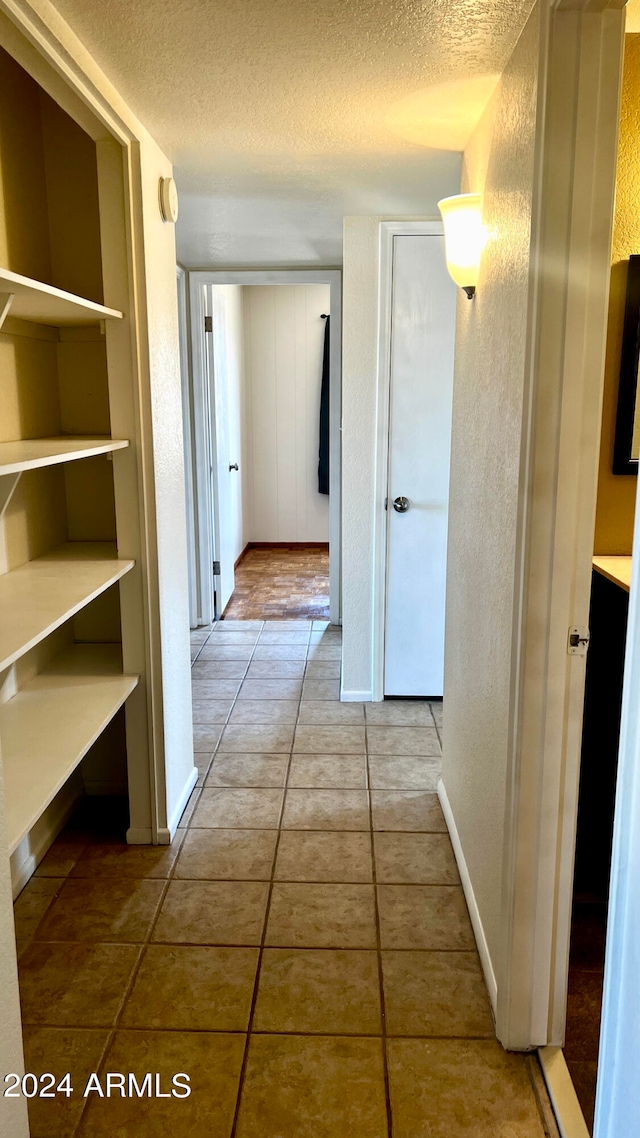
(420,402)
(221,458)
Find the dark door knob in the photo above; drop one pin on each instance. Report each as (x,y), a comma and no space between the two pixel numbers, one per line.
(233,466)
(401,505)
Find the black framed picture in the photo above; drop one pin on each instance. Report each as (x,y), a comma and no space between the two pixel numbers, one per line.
(626,450)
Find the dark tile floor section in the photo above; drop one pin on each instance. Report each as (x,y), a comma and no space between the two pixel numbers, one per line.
(303,951)
(584,1004)
(286,582)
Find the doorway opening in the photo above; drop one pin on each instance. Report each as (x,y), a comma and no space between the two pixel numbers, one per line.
(611,577)
(265,437)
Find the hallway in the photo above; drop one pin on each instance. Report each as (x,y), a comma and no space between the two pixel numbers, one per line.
(302,951)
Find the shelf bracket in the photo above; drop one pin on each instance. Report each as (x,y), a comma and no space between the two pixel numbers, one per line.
(6,300)
(8,483)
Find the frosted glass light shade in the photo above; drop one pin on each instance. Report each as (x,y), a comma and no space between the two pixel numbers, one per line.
(464,236)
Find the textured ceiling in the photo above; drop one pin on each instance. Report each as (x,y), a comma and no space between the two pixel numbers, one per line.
(282,115)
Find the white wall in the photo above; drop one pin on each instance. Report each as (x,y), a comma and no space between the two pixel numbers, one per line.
(283,338)
(490,373)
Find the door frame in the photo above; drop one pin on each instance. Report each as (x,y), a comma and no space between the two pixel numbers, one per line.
(187,421)
(201,419)
(425,227)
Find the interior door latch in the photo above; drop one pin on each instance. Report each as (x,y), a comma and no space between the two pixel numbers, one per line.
(216,568)
(578,640)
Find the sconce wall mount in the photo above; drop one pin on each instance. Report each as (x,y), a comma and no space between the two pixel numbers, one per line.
(465,237)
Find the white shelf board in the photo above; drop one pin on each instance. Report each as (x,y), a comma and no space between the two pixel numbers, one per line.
(39,596)
(48,727)
(44,304)
(28,454)
(616,569)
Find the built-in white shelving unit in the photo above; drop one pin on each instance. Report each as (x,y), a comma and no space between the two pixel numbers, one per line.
(43,304)
(42,594)
(30,454)
(48,727)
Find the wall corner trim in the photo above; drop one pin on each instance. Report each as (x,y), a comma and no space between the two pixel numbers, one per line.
(355,696)
(472,905)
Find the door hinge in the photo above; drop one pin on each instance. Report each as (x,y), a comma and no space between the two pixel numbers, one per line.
(578,641)
(208,323)
(216,568)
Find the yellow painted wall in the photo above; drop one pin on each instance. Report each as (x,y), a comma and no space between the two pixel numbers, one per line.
(617,492)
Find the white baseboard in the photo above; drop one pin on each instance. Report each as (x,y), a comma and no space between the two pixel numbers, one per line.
(562,1093)
(474,912)
(139,836)
(27,857)
(174,820)
(355,696)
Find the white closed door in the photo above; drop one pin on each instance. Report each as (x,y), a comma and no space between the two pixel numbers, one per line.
(223,462)
(421,393)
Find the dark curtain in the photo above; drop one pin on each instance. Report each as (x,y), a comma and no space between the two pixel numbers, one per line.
(323,458)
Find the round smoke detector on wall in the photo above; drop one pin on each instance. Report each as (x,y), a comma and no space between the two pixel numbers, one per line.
(168,194)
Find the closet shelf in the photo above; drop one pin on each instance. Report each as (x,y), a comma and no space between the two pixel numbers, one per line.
(44,304)
(28,454)
(39,596)
(48,727)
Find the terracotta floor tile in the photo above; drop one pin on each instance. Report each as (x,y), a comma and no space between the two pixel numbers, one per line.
(399,713)
(317,713)
(271,634)
(202,763)
(206,736)
(81,985)
(322,916)
(190,808)
(324,652)
(407,810)
(328,771)
(278,688)
(436,711)
(224,688)
(107,909)
(402,741)
(265,711)
(280,652)
(436,993)
(399,772)
(298,1087)
(241,854)
(117,859)
(192,988)
(31,906)
(326,810)
(470,1089)
(321,689)
(323,670)
(60,859)
(329,740)
(415,859)
(424,916)
(239,808)
(265,737)
(224,669)
(327,991)
(324,856)
(248,770)
(213,1063)
(60,1050)
(211,710)
(212,912)
(276,669)
(234,636)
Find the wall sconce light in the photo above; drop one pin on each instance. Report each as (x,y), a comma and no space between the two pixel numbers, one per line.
(464,237)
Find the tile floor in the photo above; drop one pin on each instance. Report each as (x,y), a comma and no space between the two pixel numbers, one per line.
(303,949)
(281,582)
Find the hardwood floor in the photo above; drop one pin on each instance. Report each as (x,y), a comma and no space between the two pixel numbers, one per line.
(281,583)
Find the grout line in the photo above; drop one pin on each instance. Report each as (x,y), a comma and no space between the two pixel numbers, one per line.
(383,1013)
(256,985)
